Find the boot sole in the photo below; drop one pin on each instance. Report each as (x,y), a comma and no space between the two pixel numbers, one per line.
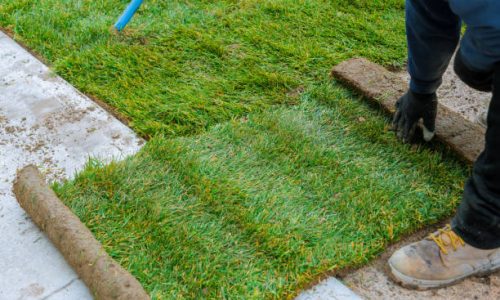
(422,284)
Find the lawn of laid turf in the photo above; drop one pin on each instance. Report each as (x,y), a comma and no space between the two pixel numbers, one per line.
(261,174)
(182,66)
(261,206)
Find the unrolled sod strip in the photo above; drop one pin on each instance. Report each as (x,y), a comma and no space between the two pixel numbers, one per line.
(384,87)
(105,278)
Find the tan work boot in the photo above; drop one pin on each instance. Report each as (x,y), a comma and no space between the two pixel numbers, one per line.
(439,260)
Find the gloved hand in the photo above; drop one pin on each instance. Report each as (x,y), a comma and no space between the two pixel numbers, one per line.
(412,107)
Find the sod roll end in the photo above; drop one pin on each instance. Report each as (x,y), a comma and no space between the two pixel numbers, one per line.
(105,278)
(384,87)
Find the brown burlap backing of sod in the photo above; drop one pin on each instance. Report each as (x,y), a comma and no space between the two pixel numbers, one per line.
(384,87)
(105,278)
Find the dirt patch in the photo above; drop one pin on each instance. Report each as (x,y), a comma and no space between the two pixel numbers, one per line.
(31,291)
(466,138)
(67,116)
(104,277)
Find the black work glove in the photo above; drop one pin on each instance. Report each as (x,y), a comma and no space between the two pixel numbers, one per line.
(412,107)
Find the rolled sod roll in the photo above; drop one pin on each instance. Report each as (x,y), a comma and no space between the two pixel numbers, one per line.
(105,278)
(384,88)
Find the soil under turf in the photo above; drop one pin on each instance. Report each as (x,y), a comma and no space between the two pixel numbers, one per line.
(261,175)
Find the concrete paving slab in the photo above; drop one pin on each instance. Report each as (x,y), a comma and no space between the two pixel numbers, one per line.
(46,122)
(328,289)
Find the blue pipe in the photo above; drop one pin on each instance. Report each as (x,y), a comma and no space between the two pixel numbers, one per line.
(128,14)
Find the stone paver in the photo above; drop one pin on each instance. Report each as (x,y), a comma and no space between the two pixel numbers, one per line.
(328,289)
(46,122)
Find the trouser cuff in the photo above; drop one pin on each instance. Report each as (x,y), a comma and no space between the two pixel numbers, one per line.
(477,239)
(424,87)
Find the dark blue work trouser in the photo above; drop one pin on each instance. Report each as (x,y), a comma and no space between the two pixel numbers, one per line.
(433,32)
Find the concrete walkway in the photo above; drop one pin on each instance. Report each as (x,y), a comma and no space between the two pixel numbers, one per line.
(44,121)
(328,289)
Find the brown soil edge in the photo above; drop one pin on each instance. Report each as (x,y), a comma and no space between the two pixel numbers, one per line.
(105,278)
(384,87)
(110,109)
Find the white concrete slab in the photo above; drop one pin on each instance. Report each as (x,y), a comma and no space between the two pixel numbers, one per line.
(44,121)
(328,289)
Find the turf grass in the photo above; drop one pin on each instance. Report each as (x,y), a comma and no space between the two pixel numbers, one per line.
(261,175)
(259,207)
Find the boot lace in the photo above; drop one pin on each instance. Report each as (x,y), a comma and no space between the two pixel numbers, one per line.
(452,240)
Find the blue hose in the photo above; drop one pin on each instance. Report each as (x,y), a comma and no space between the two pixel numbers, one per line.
(128,14)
